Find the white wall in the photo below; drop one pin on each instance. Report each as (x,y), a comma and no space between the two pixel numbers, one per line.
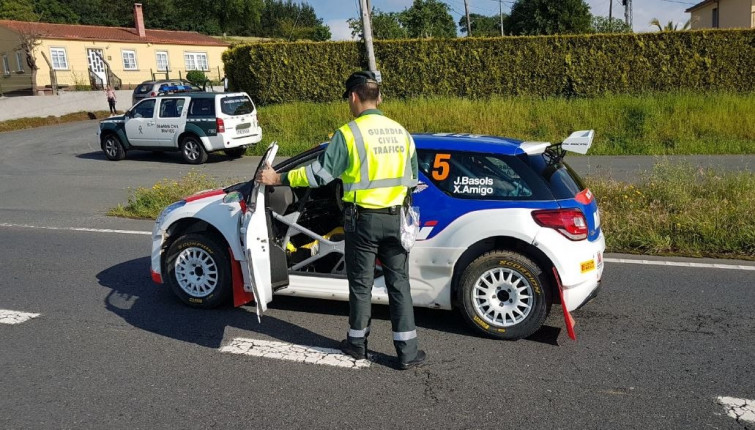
(66,102)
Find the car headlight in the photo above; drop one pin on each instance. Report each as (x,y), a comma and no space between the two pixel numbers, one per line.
(168,210)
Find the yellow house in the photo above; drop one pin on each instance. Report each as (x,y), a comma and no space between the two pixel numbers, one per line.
(96,56)
(722,14)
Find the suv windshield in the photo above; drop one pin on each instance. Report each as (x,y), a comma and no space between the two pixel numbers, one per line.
(143,89)
(236,105)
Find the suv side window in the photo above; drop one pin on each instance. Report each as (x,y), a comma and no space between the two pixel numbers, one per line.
(171,108)
(145,109)
(201,107)
(469,175)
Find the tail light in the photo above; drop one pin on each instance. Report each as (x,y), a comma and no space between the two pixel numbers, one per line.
(571,223)
(219,125)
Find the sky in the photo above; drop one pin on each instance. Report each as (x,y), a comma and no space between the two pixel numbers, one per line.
(334,13)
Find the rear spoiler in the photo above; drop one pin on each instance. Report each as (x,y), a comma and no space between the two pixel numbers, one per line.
(579,141)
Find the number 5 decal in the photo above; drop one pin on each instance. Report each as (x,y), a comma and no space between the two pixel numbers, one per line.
(441,169)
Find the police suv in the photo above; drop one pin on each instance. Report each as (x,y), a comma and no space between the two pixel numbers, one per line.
(193,123)
(507,229)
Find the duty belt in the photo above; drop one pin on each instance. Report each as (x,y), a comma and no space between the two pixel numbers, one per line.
(391,210)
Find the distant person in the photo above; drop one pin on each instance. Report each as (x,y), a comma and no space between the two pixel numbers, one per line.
(110,94)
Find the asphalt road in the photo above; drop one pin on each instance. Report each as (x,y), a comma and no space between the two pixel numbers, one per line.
(110,349)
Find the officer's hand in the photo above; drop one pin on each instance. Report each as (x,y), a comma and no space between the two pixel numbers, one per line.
(267,176)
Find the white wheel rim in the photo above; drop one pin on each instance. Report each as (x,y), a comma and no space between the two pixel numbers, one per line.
(502,297)
(110,147)
(196,272)
(191,150)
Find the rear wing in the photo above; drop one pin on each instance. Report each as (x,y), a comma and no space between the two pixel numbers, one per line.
(579,141)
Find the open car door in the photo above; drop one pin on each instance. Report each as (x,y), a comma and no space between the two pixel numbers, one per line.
(255,240)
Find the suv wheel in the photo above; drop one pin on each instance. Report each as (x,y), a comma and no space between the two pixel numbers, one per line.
(112,147)
(504,295)
(193,151)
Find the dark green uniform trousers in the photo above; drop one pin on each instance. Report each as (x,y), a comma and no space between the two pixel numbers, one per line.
(378,235)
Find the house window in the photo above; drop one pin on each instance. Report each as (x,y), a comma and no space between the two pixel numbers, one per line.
(196,61)
(129,60)
(6,65)
(715,17)
(20,61)
(162,61)
(59,59)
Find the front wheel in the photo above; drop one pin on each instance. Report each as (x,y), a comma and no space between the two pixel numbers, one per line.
(198,271)
(235,152)
(193,151)
(504,295)
(113,148)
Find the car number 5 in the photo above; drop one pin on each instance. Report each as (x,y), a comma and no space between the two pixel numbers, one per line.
(441,169)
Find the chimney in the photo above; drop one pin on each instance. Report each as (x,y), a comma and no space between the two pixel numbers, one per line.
(139,20)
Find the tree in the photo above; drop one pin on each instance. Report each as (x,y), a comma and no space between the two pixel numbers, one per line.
(28,40)
(385,25)
(428,18)
(485,26)
(18,10)
(670,26)
(600,24)
(533,17)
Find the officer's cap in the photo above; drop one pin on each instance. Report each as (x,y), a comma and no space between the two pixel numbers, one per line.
(359,78)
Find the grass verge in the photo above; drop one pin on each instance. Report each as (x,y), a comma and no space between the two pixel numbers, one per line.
(652,124)
(24,123)
(674,210)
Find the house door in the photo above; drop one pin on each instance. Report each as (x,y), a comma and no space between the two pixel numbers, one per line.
(96,65)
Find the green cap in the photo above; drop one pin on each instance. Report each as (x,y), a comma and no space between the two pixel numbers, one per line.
(359,78)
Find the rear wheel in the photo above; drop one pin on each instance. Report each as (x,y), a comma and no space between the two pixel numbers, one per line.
(235,152)
(504,295)
(193,151)
(198,271)
(112,147)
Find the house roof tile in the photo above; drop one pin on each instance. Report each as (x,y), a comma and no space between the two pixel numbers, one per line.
(111,34)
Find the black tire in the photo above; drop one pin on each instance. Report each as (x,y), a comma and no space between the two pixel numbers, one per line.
(193,151)
(112,147)
(198,271)
(235,152)
(498,308)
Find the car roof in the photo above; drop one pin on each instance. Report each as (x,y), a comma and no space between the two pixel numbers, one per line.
(198,95)
(477,143)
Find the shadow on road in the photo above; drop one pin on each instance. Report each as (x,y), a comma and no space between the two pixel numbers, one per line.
(145,305)
(171,157)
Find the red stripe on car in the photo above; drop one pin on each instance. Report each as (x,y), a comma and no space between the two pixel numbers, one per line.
(203,195)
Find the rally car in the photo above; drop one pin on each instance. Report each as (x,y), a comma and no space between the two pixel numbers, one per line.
(507,229)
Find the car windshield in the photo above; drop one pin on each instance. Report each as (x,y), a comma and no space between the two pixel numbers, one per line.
(236,105)
(143,89)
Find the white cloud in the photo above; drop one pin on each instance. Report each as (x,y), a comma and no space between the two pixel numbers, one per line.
(339,29)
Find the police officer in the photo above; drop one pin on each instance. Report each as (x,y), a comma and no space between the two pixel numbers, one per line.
(375,158)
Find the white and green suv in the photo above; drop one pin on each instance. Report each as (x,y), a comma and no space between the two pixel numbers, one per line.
(193,123)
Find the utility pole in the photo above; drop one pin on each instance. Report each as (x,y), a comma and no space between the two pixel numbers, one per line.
(367,30)
(628,12)
(500,13)
(610,16)
(469,23)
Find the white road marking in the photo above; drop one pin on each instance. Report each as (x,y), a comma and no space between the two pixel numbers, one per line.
(609,260)
(739,409)
(292,352)
(680,264)
(15,317)
(95,230)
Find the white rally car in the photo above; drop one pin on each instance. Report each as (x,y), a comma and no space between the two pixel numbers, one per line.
(507,229)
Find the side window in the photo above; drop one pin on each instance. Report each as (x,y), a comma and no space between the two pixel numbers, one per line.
(145,109)
(469,175)
(171,108)
(201,107)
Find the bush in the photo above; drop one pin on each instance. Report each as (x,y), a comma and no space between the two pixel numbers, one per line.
(569,66)
(196,77)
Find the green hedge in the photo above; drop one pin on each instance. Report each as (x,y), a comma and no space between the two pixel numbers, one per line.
(571,66)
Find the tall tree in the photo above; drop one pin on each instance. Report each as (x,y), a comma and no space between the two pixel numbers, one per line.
(532,17)
(385,25)
(485,26)
(601,24)
(428,18)
(18,10)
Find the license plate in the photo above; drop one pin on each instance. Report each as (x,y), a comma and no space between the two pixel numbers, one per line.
(242,131)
